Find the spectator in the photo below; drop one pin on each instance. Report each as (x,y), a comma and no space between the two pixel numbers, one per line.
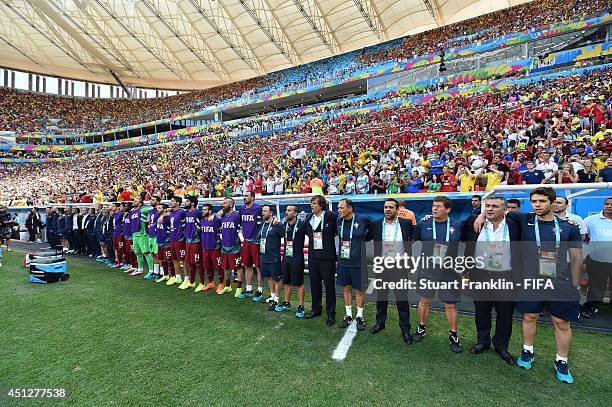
(532,175)
(567,175)
(587,174)
(433,183)
(605,174)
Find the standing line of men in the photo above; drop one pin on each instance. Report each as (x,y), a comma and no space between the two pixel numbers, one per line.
(514,246)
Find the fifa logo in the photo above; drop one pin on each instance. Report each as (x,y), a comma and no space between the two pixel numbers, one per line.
(248,218)
(228,225)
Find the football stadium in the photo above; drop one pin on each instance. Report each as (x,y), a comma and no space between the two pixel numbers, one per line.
(306,202)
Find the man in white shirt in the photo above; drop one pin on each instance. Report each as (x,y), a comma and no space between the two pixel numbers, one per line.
(478,162)
(559,208)
(350,185)
(493,248)
(549,167)
(385,174)
(270,184)
(363,183)
(598,228)
(279,187)
(575,162)
(238,191)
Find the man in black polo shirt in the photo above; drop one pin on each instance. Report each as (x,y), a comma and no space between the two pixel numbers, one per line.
(440,240)
(513,205)
(532,176)
(476,204)
(546,242)
(352,231)
(270,234)
(552,239)
(292,265)
(321,231)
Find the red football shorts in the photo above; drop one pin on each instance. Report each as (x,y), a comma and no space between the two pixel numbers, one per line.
(249,254)
(127,247)
(230,261)
(177,248)
(118,242)
(211,259)
(193,253)
(164,253)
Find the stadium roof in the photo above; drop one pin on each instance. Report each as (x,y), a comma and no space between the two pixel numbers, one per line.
(189,44)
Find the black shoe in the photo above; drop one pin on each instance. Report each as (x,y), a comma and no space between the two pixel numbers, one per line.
(407,337)
(272,306)
(331,320)
(455,345)
(480,347)
(588,311)
(345,322)
(311,314)
(377,328)
(506,357)
(360,323)
(419,334)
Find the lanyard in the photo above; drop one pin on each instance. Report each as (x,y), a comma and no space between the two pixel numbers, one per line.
(342,229)
(397,227)
(537,233)
(506,234)
(267,230)
(287,230)
(435,232)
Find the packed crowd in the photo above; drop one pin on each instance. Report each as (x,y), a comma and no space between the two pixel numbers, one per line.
(530,15)
(555,131)
(24,112)
(242,127)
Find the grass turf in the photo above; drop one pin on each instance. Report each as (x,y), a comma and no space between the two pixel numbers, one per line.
(108,338)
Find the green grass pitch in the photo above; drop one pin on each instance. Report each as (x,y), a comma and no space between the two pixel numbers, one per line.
(111,339)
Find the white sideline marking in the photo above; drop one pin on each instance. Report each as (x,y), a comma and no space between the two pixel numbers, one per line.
(345,343)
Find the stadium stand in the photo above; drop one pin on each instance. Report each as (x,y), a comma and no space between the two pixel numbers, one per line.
(24,112)
(481,139)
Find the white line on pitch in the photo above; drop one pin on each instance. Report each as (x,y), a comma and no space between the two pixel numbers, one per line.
(346,342)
